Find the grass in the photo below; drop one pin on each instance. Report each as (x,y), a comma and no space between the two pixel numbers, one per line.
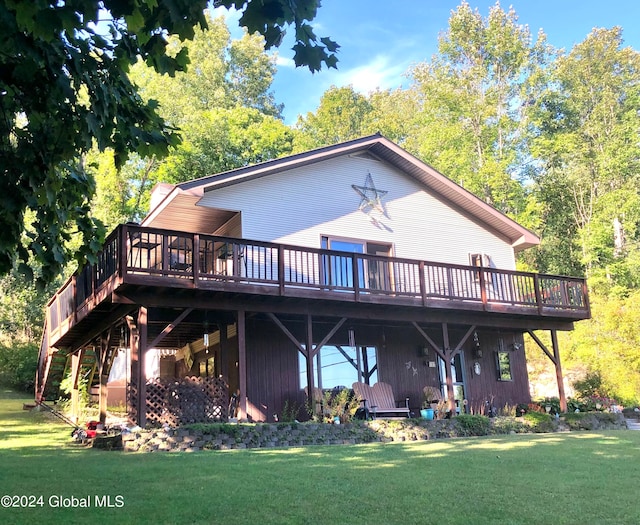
(572,478)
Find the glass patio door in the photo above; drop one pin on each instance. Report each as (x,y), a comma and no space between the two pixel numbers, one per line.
(458,377)
(372,274)
(338,269)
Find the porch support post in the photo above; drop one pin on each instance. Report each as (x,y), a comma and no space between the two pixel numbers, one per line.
(310,355)
(142,373)
(559,377)
(101,359)
(448,353)
(242,364)
(308,350)
(223,367)
(76,359)
(132,376)
(555,359)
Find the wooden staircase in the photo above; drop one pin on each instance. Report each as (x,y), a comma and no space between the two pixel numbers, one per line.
(53,367)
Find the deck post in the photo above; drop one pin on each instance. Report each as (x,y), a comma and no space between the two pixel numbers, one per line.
(423,283)
(142,373)
(446,347)
(124,251)
(223,367)
(538,292)
(76,359)
(101,358)
(558,366)
(242,364)
(310,354)
(281,269)
(138,343)
(555,359)
(195,259)
(355,276)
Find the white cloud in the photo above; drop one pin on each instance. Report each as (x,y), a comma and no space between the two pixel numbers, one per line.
(380,73)
(284,61)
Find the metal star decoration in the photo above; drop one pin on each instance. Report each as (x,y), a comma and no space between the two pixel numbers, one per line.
(371,197)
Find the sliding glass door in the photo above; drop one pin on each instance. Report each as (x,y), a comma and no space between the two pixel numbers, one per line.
(372,274)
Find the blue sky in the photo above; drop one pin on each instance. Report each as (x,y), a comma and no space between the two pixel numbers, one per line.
(381,39)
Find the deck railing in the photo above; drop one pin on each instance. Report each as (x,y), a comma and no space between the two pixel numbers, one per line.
(134,253)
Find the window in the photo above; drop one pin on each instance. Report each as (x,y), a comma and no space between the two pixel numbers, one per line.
(503,362)
(337,366)
(475,259)
(479,260)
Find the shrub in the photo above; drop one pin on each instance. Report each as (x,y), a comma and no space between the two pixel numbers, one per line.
(472,425)
(508,410)
(290,411)
(576,404)
(590,420)
(553,402)
(340,403)
(507,425)
(590,385)
(539,422)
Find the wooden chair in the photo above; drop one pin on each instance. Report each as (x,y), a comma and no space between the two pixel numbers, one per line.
(380,401)
(432,394)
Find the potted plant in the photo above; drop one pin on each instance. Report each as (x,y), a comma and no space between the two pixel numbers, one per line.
(431,397)
(426,412)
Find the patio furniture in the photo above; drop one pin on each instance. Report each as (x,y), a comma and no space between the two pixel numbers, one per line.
(380,401)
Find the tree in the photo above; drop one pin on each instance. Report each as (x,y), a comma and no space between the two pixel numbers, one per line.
(64,88)
(224,109)
(344,114)
(226,74)
(221,140)
(474,96)
(587,143)
(341,115)
(607,345)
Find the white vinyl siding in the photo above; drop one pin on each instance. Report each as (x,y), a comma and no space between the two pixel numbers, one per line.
(300,206)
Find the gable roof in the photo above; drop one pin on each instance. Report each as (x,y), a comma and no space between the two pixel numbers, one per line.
(183,198)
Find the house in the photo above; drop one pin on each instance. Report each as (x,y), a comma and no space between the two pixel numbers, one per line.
(353,262)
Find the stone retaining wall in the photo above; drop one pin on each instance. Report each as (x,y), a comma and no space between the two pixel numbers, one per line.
(242,436)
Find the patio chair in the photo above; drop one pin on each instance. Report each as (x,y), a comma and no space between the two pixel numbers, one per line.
(380,401)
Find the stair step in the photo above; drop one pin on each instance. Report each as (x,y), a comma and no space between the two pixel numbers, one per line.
(633,424)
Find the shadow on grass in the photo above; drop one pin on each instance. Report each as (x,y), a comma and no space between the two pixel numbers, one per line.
(513,479)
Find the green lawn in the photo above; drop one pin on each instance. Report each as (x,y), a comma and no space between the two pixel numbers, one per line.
(578,478)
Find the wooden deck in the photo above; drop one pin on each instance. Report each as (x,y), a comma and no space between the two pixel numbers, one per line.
(151,259)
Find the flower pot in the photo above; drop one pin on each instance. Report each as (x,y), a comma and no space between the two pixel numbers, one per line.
(426,413)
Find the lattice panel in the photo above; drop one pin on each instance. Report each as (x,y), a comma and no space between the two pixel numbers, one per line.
(132,401)
(189,400)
